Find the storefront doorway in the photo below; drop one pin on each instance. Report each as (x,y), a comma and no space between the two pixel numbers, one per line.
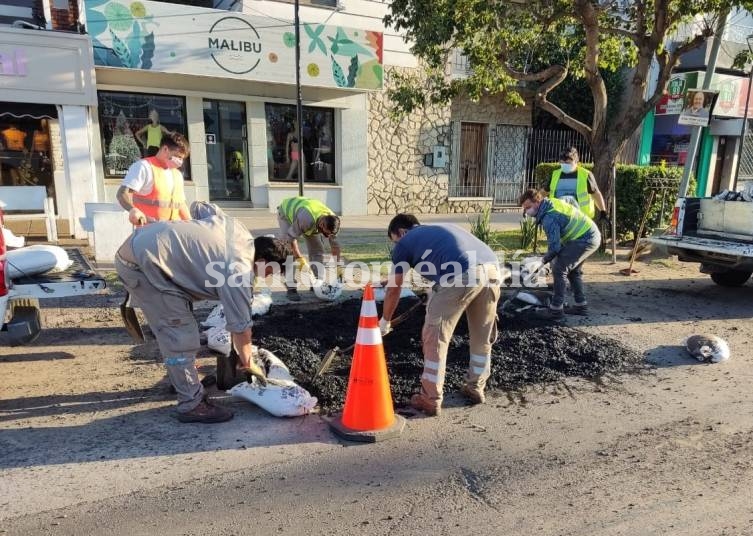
(227,150)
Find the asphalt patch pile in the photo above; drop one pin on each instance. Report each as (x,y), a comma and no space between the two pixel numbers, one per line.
(526,352)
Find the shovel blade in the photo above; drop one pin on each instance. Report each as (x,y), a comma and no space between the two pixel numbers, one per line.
(131,321)
(326,362)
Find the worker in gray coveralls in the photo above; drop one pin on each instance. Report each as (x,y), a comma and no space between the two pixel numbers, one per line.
(165,266)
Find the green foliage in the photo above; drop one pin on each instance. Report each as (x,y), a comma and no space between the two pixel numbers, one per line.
(481,227)
(632,192)
(529,233)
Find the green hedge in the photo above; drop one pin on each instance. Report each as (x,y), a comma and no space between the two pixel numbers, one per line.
(632,193)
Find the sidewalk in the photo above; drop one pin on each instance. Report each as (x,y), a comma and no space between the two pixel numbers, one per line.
(371,229)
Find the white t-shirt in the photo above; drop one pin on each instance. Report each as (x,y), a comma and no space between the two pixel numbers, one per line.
(140,178)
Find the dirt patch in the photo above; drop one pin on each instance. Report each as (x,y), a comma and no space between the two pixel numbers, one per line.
(526,352)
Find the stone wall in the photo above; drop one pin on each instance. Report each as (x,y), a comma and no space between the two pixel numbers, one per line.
(398,181)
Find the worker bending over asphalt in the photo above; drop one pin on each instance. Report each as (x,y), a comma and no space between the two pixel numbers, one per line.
(312,219)
(167,265)
(572,237)
(466,278)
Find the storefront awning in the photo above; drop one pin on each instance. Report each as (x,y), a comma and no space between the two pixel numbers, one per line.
(18,110)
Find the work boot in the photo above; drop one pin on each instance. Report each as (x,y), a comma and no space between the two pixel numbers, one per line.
(206,412)
(293,295)
(475,396)
(550,314)
(577,309)
(422,403)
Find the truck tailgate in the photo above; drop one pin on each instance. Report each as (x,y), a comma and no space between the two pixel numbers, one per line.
(721,247)
(79,279)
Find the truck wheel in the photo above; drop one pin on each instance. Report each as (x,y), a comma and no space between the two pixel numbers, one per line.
(733,278)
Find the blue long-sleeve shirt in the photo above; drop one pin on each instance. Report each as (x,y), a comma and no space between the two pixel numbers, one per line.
(554,223)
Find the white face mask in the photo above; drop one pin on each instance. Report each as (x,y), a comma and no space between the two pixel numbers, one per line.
(531,211)
(175,162)
(567,168)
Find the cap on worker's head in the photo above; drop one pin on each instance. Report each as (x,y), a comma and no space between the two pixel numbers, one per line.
(330,223)
(569,153)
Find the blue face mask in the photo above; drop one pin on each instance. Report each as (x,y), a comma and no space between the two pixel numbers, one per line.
(567,167)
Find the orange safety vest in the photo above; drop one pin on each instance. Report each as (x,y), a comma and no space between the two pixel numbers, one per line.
(163,202)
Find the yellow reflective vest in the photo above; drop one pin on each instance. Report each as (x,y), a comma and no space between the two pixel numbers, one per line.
(585,201)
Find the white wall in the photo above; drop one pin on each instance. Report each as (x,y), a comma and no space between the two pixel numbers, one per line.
(363,14)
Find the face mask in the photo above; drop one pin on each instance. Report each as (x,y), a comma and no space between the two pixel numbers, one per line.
(567,168)
(532,211)
(175,162)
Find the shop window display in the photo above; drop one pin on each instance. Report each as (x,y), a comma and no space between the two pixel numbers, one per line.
(315,151)
(132,126)
(25,149)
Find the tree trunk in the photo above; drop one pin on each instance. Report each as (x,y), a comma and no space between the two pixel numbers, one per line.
(604,155)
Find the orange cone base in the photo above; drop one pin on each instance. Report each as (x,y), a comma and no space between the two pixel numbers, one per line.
(367,436)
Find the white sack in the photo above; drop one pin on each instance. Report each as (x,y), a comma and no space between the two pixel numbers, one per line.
(281,396)
(11,240)
(218,339)
(37,259)
(707,348)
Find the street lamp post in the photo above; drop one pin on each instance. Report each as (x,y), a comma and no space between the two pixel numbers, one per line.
(744,127)
(298,104)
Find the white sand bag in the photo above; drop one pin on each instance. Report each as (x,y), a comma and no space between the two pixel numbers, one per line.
(707,348)
(11,240)
(262,303)
(218,339)
(326,291)
(36,259)
(216,318)
(281,396)
(62,261)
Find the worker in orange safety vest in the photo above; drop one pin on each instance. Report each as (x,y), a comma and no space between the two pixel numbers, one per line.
(152,189)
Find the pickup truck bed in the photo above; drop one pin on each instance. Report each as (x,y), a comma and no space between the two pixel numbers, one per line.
(80,278)
(22,300)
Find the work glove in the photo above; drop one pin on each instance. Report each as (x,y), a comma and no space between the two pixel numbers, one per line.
(547,259)
(302,264)
(136,217)
(384,326)
(603,217)
(254,370)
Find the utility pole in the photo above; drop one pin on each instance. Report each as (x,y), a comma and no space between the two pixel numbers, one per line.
(695,134)
(298,103)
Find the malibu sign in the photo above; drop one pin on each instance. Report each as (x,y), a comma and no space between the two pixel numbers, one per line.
(234,45)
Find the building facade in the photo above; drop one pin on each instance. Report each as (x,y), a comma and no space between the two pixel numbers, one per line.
(665,139)
(47,96)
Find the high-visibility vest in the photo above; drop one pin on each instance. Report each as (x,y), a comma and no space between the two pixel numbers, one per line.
(316,208)
(578,223)
(164,201)
(585,201)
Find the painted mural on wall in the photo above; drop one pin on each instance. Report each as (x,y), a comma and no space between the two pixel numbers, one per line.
(183,39)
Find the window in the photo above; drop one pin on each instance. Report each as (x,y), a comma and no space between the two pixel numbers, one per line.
(25,148)
(283,149)
(131,126)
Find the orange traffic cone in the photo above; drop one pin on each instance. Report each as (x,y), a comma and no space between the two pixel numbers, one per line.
(368,414)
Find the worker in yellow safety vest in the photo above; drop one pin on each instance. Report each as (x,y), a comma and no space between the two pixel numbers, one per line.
(152,189)
(313,220)
(572,237)
(577,183)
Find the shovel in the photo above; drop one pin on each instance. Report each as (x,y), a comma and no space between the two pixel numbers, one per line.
(336,351)
(131,321)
